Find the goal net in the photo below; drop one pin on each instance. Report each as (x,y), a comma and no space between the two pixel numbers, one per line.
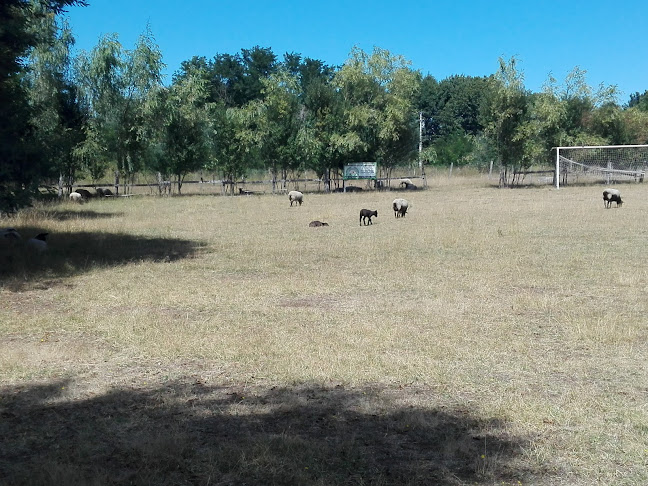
(604,163)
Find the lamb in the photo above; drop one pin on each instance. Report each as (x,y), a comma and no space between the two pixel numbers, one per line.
(610,196)
(295,196)
(76,197)
(366,215)
(99,192)
(38,242)
(107,193)
(315,224)
(400,207)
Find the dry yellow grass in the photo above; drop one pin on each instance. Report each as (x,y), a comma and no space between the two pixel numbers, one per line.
(509,325)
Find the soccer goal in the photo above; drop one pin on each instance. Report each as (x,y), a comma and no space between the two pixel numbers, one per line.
(608,163)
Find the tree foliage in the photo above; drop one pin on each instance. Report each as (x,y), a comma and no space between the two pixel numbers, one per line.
(119,87)
(233,113)
(23,157)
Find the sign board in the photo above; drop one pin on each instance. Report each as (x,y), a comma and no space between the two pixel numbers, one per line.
(360,170)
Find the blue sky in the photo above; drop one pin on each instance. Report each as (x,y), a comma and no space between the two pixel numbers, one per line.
(608,40)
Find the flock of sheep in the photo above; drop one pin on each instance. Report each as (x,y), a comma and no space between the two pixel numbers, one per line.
(399,205)
(9,236)
(82,195)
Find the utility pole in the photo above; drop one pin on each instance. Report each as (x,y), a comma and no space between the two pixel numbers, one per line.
(421,170)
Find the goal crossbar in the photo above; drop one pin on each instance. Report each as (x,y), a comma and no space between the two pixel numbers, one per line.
(621,160)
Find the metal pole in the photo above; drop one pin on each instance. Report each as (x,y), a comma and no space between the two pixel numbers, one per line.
(557,175)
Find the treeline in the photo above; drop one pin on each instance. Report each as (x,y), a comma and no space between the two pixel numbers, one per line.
(108,111)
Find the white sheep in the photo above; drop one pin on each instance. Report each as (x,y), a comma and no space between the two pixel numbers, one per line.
(76,197)
(38,243)
(295,196)
(400,206)
(610,196)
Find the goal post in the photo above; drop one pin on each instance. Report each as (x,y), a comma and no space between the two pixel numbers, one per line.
(610,162)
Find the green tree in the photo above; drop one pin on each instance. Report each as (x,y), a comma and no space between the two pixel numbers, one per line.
(379,92)
(279,124)
(185,129)
(23,164)
(118,87)
(636,123)
(56,114)
(639,101)
(509,118)
(235,142)
(233,79)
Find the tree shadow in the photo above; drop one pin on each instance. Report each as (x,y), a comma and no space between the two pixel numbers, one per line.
(72,253)
(189,433)
(66,214)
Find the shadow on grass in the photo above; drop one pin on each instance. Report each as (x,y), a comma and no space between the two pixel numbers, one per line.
(72,253)
(66,214)
(196,434)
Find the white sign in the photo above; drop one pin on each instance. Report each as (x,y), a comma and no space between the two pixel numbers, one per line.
(360,170)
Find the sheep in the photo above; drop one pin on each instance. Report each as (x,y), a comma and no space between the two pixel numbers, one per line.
(38,242)
(366,215)
(408,186)
(400,207)
(107,193)
(352,189)
(315,224)
(295,196)
(76,197)
(85,194)
(610,196)
(99,192)
(9,236)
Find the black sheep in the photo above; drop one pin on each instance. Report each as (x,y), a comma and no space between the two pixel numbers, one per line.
(366,215)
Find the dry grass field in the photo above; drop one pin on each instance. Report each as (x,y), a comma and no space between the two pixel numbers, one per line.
(492,336)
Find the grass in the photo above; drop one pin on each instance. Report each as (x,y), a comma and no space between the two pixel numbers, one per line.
(490,337)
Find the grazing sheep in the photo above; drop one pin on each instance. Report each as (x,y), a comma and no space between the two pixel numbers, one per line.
(76,197)
(400,207)
(366,215)
(38,242)
(99,192)
(610,196)
(315,224)
(107,193)
(85,194)
(295,196)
